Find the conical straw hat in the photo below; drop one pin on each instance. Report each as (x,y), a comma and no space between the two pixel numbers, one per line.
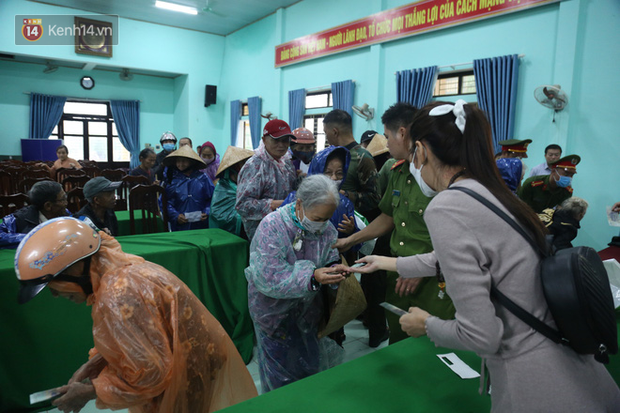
(183,152)
(377,145)
(233,155)
(350,302)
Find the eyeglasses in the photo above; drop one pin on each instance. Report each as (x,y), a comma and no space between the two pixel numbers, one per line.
(62,200)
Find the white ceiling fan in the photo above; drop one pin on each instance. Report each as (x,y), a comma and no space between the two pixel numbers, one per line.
(208,8)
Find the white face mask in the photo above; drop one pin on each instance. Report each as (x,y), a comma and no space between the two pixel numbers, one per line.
(417,174)
(313,227)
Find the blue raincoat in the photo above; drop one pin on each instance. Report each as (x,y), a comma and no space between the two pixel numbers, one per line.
(285,309)
(317,166)
(510,170)
(188,194)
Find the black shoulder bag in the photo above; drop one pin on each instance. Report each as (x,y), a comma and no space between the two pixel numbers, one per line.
(577,291)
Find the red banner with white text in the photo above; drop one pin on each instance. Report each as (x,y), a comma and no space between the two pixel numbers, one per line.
(404,21)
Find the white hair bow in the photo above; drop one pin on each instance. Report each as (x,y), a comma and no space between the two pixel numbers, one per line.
(456,109)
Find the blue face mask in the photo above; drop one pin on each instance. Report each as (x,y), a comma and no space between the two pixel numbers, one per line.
(168,147)
(564,181)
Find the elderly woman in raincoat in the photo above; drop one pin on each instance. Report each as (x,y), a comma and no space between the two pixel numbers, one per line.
(267,178)
(157,348)
(223,213)
(291,256)
(188,190)
(334,163)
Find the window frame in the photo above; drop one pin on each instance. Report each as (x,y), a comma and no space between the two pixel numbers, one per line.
(108,119)
(460,74)
(329,96)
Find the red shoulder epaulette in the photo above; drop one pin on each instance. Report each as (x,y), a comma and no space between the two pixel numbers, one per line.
(534,184)
(399,163)
(569,189)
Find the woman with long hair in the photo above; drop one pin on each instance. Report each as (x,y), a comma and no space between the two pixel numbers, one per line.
(476,249)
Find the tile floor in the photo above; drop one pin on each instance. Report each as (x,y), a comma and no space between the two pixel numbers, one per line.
(356,345)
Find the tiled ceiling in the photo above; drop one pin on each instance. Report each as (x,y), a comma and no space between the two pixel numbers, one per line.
(220,17)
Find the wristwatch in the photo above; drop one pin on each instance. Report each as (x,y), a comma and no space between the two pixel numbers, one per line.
(314,284)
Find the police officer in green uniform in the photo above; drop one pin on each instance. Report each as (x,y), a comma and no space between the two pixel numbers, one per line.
(548,191)
(402,212)
(514,148)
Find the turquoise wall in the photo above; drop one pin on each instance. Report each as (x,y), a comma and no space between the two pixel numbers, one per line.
(194,56)
(572,43)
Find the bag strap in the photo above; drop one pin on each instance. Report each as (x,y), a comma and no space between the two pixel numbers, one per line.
(513,307)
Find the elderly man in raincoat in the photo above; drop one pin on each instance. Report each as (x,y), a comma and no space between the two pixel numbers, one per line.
(267,178)
(291,256)
(157,348)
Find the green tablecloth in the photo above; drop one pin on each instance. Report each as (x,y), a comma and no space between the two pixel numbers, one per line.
(404,377)
(123,222)
(44,341)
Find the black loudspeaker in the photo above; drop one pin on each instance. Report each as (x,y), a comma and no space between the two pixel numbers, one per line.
(210,95)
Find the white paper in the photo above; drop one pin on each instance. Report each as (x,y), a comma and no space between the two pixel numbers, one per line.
(43,395)
(193,216)
(458,366)
(613,218)
(613,272)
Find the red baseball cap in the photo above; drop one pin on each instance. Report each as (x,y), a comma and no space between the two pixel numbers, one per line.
(277,129)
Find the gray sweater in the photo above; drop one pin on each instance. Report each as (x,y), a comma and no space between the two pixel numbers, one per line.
(529,373)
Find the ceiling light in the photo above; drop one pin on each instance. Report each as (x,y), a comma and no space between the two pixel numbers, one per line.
(175,7)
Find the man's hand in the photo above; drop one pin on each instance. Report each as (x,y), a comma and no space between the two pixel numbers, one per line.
(343,244)
(75,396)
(616,207)
(89,370)
(347,225)
(414,323)
(406,286)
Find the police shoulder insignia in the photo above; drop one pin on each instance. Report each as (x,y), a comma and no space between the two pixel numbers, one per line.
(397,164)
(534,184)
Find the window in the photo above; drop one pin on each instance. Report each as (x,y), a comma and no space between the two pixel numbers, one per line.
(89,132)
(314,123)
(245,138)
(245,110)
(455,83)
(322,99)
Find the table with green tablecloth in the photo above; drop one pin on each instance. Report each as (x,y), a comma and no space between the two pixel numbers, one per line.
(123,222)
(404,377)
(45,340)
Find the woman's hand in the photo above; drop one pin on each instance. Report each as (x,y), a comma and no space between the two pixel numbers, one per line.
(75,397)
(181,219)
(347,225)
(331,275)
(275,204)
(406,286)
(203,216)
(89,370)
(414,323)
(374,263)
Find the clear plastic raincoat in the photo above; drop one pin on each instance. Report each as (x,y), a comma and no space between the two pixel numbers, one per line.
(285,310)
(165,352)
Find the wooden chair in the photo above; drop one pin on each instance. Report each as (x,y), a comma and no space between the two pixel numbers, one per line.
(6,183)
(88,162)
(128,182)
(31,172)
(113,175)
(62,173)
(91,171)
(26,184)
(145,198)
(16,173)
(76,200)
(71,182)
(11,203)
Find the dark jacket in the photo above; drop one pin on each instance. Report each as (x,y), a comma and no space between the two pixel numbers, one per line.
(564,228)
(110,222)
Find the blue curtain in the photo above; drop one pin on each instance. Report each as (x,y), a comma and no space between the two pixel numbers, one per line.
(126,114)
(296,107)
(235,114)
(45,113)
(416,86)
(254,107)
(343,95)
(496,88)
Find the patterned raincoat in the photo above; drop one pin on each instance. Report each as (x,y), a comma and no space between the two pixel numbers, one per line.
(262,180)
(165,352)
(285,310)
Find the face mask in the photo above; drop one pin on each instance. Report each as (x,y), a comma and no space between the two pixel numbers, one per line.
(208,161)
(168,147)
(338,183)
(417,174)
(305,157)
(564,181)
(313,227)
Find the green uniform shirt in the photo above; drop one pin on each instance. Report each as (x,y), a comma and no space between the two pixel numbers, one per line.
(536,193)
(404,202)
(384,175)
(362,179)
